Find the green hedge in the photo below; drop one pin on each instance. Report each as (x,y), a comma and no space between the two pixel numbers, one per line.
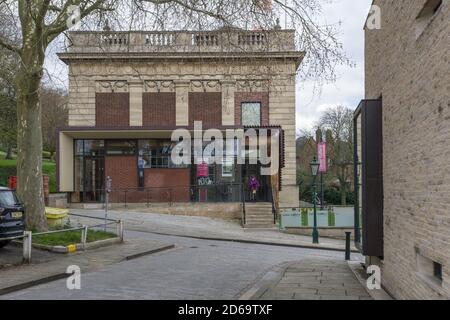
(8,168)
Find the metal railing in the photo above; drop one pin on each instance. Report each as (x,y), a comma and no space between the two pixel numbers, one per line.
(27,237)
(208,193)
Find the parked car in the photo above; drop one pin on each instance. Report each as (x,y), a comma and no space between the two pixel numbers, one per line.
(12,216)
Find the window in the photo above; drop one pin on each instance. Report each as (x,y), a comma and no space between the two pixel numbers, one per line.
(120,147)
(156,154)
(429,271)
(94,147)
(227,167)
(426,15)
(8,198)
(437,271)
(251,113)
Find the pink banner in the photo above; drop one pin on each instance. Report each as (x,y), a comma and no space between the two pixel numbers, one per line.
(202,170)
(322,155)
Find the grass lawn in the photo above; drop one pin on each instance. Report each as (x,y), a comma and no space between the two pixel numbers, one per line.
(8,168)
(71,237)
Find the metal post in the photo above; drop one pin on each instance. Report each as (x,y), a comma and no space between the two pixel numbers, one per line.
(120,230)
(315,231)
(106,207)
(27,245)
(347,246)
(108,190)
(84,233)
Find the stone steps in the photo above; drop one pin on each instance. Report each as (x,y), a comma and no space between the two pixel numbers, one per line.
(258,216)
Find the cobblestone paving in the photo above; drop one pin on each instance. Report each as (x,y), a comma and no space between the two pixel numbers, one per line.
(317,280)
(88,261)
(195,269)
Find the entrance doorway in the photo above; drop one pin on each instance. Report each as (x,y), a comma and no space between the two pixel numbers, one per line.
(264,193)
(94,177)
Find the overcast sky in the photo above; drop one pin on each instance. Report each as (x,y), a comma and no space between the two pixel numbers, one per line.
(349,88)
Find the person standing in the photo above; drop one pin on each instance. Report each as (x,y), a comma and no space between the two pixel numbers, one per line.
(253,186)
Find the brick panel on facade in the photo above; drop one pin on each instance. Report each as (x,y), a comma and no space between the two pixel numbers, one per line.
(205,107)
(168,185)
(159,109)
(112,109)
(123,172)
(261,97)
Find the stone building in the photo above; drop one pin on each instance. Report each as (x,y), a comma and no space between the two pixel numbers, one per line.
(130,90)
(405,179)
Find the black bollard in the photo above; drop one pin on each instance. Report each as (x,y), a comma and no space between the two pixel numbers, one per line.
(347,245)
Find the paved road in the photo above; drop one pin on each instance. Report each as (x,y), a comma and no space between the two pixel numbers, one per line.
(201,227)
(195,269)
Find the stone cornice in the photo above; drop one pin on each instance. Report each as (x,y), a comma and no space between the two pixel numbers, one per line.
(68,57)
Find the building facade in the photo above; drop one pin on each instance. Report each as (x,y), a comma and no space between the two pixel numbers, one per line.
(408,99)
(130,90)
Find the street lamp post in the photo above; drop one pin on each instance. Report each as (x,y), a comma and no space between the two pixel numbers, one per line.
(314,170)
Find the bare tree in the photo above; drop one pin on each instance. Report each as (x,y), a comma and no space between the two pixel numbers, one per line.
(38,23)
(337,122)
(54,115)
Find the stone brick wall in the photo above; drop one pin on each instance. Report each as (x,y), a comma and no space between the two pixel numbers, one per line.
(158,109)
(205,107)
(413,77)
(262,97)
(112,109)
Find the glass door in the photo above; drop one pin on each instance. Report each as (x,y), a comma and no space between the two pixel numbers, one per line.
(94,177)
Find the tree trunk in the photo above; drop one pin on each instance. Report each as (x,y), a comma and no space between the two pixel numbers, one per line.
(343,196)
(8,155)
(29,137)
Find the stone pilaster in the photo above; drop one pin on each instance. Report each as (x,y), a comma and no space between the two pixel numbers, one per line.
(135,88)
(182,102)
(228,90)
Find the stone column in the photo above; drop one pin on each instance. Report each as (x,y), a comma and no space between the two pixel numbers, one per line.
(228,90)
(182,102)
(135,103)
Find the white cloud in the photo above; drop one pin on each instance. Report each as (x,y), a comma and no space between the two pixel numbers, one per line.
(348,90)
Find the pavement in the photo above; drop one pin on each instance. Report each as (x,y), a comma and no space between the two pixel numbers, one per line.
(309,279)
(11,256)
(54,266)
(209,229)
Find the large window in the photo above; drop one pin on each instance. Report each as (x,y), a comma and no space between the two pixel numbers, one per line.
(121,147)
(156,154)
(251,113)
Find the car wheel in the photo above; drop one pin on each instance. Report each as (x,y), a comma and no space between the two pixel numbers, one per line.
(3,243)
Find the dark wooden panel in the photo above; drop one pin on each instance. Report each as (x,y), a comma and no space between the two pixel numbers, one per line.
(159,109)
(372,178)
(112,110)
(205,107)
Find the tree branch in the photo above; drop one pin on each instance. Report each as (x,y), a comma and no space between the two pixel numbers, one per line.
(10,47)
(188,7)
(60,24)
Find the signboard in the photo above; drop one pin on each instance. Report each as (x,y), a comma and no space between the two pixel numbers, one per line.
(322,155)
(202,170)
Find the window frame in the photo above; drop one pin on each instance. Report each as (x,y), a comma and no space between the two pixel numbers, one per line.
(108,141)
(260,113)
